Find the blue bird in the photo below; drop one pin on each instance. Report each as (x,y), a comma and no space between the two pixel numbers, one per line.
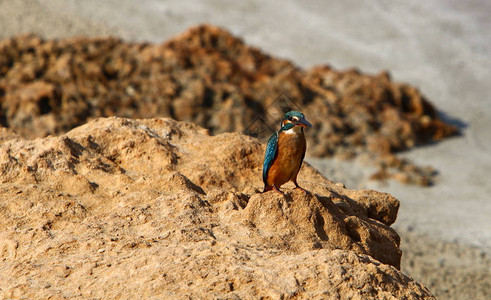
(285,152)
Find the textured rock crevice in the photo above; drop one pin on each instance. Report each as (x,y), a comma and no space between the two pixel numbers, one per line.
(160,208)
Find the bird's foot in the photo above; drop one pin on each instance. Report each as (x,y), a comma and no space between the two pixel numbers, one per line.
(278,190)
(297,187)
(273,188)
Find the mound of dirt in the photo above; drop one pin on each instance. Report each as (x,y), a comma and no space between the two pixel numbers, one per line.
(160,208)
(211,78)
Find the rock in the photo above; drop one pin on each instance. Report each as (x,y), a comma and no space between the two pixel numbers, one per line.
(159,208)
(214,79)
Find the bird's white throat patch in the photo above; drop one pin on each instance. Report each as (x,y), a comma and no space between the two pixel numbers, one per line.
(293,130)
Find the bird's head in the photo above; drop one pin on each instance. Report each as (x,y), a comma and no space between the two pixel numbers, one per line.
(295,118)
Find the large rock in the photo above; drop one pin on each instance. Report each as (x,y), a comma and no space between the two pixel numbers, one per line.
(159,208)
(213,79)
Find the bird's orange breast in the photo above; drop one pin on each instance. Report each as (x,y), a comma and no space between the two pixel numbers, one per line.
(285,167)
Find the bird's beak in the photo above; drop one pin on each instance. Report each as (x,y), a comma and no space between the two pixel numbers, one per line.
(303,123)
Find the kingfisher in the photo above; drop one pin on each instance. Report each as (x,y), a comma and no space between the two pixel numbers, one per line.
(285,152)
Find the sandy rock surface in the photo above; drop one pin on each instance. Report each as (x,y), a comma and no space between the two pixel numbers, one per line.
(125,208)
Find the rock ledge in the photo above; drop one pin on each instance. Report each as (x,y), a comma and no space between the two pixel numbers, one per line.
(160,208)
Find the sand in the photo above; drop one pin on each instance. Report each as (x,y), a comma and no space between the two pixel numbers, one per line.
(417,42)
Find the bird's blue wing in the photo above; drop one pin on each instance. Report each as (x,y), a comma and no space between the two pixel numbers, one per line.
(271,150)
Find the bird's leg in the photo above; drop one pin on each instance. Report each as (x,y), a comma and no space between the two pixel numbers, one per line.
(278,190)
(299,187)
(267,188)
